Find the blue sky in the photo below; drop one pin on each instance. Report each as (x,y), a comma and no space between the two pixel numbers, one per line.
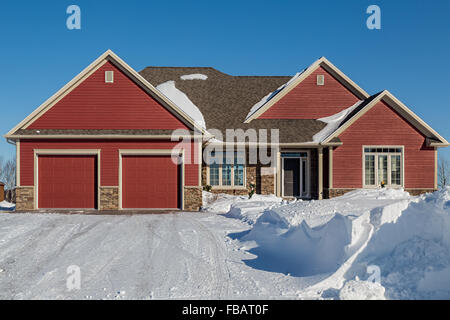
(409,56)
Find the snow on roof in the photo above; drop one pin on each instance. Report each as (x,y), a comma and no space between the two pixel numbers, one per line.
(333,122)
(268,97)
(182,101)
(194,76)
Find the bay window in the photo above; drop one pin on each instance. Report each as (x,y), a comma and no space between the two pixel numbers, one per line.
(383,166)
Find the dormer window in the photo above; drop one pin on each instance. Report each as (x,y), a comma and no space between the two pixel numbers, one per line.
(109,76)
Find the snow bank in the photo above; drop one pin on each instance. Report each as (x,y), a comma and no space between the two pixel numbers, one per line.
(5,205)
(182,101)
(239,207)
(362,290)
(408,238)
(194,76)
(333,122)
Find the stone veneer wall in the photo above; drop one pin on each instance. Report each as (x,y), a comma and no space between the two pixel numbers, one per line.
(332,193)
(192,198)
(24,198)
(109,198)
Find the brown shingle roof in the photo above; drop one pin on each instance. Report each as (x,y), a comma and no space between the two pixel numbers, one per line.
(225,100)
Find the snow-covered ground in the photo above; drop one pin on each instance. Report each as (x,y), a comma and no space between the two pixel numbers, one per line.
(6,206)
(262,248)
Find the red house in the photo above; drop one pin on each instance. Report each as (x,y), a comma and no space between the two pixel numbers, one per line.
(115,139)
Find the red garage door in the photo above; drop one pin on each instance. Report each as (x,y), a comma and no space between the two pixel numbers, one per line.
(67,181)
(149,182)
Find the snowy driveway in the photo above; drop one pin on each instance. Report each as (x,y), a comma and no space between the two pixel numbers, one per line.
(184,255)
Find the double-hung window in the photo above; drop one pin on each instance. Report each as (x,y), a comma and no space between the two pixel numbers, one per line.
(383,166)
(227,169)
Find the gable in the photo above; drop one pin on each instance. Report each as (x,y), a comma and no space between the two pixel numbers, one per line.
(308,100)
(392,103)
(94,104)
(382,125)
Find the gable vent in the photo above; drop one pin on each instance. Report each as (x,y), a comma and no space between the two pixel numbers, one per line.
(320,79)
(109,76)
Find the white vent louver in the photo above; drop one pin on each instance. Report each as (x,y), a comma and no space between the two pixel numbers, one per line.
(109,76)
(320,80)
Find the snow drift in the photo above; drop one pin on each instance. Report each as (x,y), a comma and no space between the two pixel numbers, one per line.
(408,238)
(239,207)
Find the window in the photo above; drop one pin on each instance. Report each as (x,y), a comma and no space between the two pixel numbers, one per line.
(109,76)
(320,79)
(383,166)
(227,169)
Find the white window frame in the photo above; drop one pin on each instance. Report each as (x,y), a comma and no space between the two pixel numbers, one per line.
(388,154)
(320,80)
(232,185)
(106,76)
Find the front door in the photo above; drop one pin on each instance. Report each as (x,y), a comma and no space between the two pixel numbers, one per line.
(295,174)
(291,177)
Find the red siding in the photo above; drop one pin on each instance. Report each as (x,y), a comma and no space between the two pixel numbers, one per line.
(109,157)
(382,125)
(310,101)
(149,182)
(67,181)
(95,104)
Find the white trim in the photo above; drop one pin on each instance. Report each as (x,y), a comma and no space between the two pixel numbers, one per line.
(200,161)
(278,174)
(106,76)
(153,152)
(329,67)
(388,154)
(435,168)
(56,152)
(18,163)
(330,167)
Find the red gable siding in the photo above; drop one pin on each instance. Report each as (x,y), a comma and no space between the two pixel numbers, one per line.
(382,125)
(310,101)
(95,104)
(109,157)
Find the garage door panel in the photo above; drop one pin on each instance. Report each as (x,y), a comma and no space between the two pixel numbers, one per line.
(149,182)
(67,181)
